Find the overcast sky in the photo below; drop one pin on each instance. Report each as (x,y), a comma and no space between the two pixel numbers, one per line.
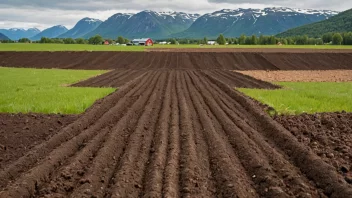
(46,13)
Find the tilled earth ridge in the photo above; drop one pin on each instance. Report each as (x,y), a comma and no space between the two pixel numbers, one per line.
(277,49)
(329,135)
(19,133)
(301,76)
(119,77)
(173,133)
(179,60)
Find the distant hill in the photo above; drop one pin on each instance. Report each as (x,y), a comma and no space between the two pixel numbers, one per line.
(18,33)
(147,23)
(3,37)
(83,27)
(110,27)
(52,32)
(267,21)
(339,23)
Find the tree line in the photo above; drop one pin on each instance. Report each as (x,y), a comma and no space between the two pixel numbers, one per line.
(328,38)
(94,40)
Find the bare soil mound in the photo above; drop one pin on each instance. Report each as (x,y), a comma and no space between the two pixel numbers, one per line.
(329,135)
(173,133)
(178,60)
(301,76)
(19,133)
(115,78)
(119,77)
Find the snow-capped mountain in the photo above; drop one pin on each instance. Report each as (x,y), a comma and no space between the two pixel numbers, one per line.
(52,32)
(110,27)
(18,33)
(82,27)
(145,24)
(267,21)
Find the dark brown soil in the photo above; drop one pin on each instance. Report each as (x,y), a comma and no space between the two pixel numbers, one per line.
(179,60)
(173,133)
(19,133)
(329,135)
(262,50)
(119,77)
(301,75)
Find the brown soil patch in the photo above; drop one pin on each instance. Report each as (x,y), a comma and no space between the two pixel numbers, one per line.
(329,135)
(173,133)
(261,50)
(19,133)
(301,76)
(178,60)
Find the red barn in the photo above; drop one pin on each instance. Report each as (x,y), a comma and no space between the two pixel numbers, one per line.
(106,42)
(143,41)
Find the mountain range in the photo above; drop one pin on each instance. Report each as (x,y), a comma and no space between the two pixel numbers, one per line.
(267,21)
(162,25)
(339,23)
(52,32)
(17,33)
(144,24)
(83,27)
(3,37)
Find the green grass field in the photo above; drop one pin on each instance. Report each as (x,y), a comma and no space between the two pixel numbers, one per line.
(80,47)
(45,91)
(306,97)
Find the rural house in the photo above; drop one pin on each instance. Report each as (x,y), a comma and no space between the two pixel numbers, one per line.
(143,41)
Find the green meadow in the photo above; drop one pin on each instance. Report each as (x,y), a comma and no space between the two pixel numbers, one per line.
(86,47)
(47,91)
(305,97)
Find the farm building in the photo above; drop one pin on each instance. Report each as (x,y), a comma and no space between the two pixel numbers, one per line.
(211,42)
(143,41)
(106,42)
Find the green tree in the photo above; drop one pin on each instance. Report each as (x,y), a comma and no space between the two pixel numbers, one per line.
(126,41)
(45,40)
(221,40)
(327,38)
(96,40)
(242,39)
(121,40)
(347,38)
(272,40)
(337,39)
(24,40)
(205,40)
(173,41)
(69,41)
(110,41)
(254,40)
(81,41)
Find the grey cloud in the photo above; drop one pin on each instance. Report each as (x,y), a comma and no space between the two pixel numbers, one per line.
(303,4)
(46,13)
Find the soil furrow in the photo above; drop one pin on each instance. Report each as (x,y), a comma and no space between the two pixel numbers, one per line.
(132,164)
(102,170)
(284,169)
(156,167)
(231,182)
(171,177)
(314,167)
(192,185)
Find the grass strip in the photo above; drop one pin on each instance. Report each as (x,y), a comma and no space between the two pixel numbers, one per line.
(305,97)
(46,90)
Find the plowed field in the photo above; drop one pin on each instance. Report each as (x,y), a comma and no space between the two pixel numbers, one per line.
(173,133)
(179,60)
